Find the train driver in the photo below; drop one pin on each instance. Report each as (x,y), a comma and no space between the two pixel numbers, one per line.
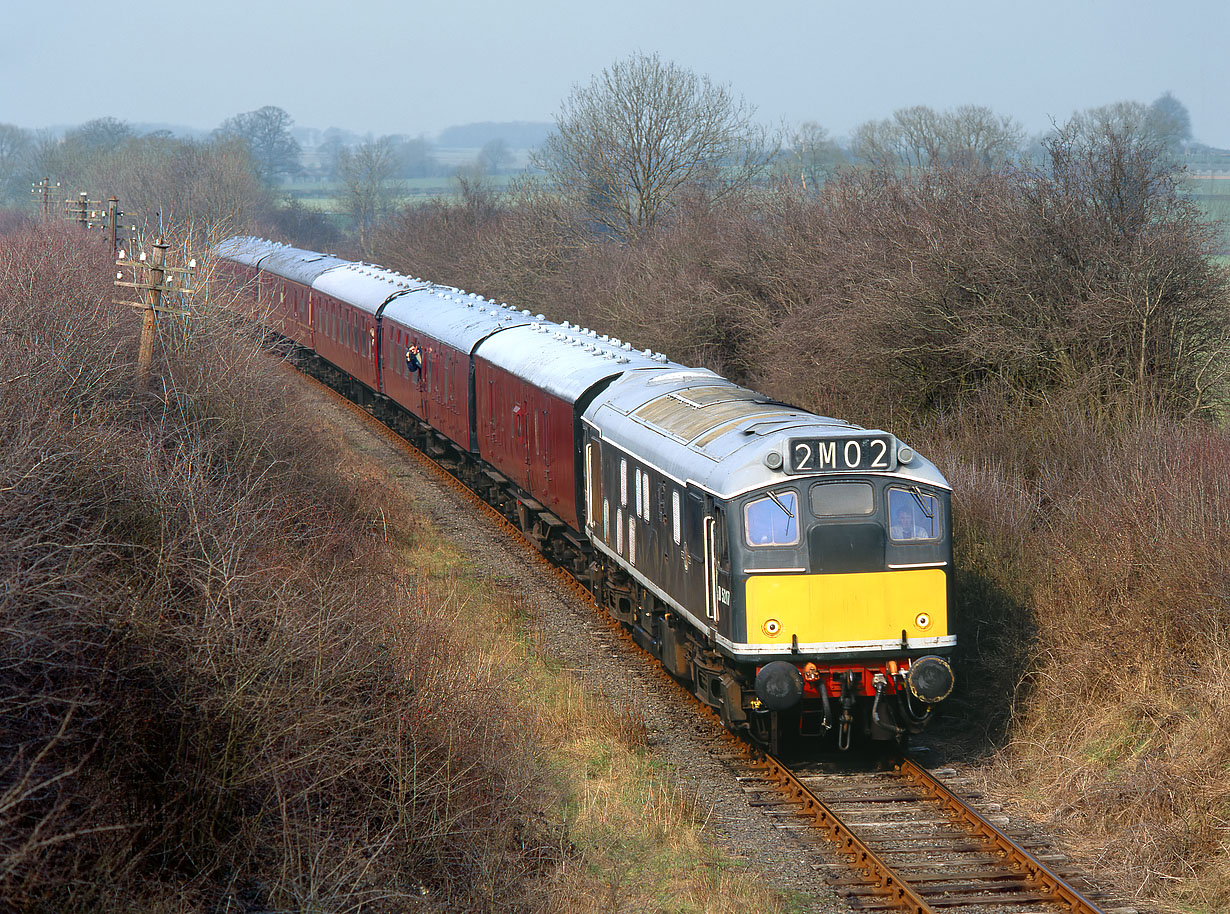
(903,527)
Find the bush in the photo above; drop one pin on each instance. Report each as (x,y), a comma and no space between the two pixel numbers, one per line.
(201,705)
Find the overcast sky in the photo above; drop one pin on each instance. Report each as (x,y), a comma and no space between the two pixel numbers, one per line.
(400,66)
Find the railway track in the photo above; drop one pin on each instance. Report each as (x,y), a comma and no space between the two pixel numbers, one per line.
(898,838)
(907,841)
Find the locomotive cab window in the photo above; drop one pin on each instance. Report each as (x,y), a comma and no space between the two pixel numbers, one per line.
(912,515)
(835,499)
(773,520)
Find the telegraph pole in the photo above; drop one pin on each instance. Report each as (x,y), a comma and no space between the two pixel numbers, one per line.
(151,278)
(153,298)
(43,188)
(112,225)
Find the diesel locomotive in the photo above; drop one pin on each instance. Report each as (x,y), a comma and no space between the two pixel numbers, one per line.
(794,570)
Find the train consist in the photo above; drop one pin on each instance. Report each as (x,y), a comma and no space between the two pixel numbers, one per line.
(794,570)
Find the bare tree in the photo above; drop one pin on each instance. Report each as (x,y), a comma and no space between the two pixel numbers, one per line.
(99,135)
(1170,121)
(813,156)
(367,171)
(495,156)
(630,146)
(416,158)
(267,133)
(969,136)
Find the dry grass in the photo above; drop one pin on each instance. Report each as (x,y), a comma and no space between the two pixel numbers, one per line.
(631,839)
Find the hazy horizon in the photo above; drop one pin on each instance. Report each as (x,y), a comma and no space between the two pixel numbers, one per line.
(385,68)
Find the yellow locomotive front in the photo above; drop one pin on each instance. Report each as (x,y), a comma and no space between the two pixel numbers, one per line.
(845,592)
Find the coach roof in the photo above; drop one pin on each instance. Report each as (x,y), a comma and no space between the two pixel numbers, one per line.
(453,317)
(246,249)
(299,265)
(563,360)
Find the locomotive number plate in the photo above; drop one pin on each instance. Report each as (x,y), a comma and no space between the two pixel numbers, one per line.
(840,455)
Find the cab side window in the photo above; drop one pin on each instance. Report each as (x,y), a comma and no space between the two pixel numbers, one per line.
(773,521)
(912,515)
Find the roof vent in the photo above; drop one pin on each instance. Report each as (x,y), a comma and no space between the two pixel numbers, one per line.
(525,312)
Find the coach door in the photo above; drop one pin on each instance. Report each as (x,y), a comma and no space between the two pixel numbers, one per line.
(717,566)
(593,485)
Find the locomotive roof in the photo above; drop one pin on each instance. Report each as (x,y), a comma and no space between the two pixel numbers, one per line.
(564,360)
(696,425)
(458,319)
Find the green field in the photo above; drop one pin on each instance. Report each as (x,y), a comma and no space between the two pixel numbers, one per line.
(1212,193)
(330,196)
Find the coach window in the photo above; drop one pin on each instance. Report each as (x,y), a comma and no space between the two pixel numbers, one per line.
(623,483)
(912,515)
(835,499)
(774,520)
(676,518)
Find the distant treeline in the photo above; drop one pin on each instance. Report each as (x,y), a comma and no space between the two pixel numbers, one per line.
(517,134)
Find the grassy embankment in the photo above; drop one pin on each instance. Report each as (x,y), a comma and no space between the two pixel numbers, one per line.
(233,678)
